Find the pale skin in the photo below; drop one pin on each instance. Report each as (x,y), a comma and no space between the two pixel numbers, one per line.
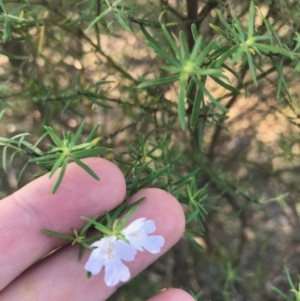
(25,276)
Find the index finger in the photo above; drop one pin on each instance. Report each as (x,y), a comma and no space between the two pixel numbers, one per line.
(32,208)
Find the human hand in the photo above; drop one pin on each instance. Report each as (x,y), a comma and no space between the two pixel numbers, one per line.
(24,275)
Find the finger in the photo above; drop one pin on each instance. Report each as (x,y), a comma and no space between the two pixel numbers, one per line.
(172,294)
(25,213)
(63,272)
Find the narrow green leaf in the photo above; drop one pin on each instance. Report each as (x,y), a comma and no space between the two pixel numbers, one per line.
(122,22)
(201,133)
(237,76)
(240,31)
(128,215)
(181,104)
(271,32)
(152,42)
(184,45)
(262,38)
(288,276)
(109,220)
(286,88)
(221,32)
(274,49)
(279,79)
(283,295)
(2,114)
(22,135)
(117,212)
(97,225)
(194,31)
(61,175)
(54,136)
(171,42)
(34,146)
(217,53)
(86,168)
(159,81)
(194,232)
(3,7)
(225,85)
(196,48)
(77,135)
(43,158)
(21,140)
(13,56)
(16,18)
(176,63)
(251,20)
(4,141)
(13,156)
(57,164)
(204,72)
(251,67)
(98,103)
(204,53)
(224,22)
(191,216)
(196,108)
(97,19)
(193,241)
(212,99)
(4,158)
(103,229)
(189,87)
(136,203)
(239,52)
(22,171)
(57,234)
(88,225)
(152,177)
(93,152)
(82,146)
(226,55)
(92,133)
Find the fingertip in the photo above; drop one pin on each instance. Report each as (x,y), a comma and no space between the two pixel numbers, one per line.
(172,294)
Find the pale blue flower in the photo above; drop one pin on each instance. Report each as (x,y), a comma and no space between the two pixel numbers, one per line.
(109,252)
(137,232)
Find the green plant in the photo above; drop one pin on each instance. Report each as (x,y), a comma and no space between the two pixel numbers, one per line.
(174,94)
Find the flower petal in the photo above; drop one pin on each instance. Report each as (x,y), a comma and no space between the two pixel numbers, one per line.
(94,263)
(153,243)
(149,226)
(115,272)
(134,226)
(135,242)
(104,241)
(125,251)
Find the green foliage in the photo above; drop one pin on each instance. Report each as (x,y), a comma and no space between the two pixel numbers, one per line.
(175,95)
(293,289)
(111,224)
(59,155)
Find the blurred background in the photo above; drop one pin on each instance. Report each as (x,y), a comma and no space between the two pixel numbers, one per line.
(61,64)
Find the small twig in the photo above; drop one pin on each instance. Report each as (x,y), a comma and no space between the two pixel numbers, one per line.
(119,131)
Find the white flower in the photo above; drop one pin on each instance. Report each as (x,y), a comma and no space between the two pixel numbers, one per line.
(109,252)
(137,235)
